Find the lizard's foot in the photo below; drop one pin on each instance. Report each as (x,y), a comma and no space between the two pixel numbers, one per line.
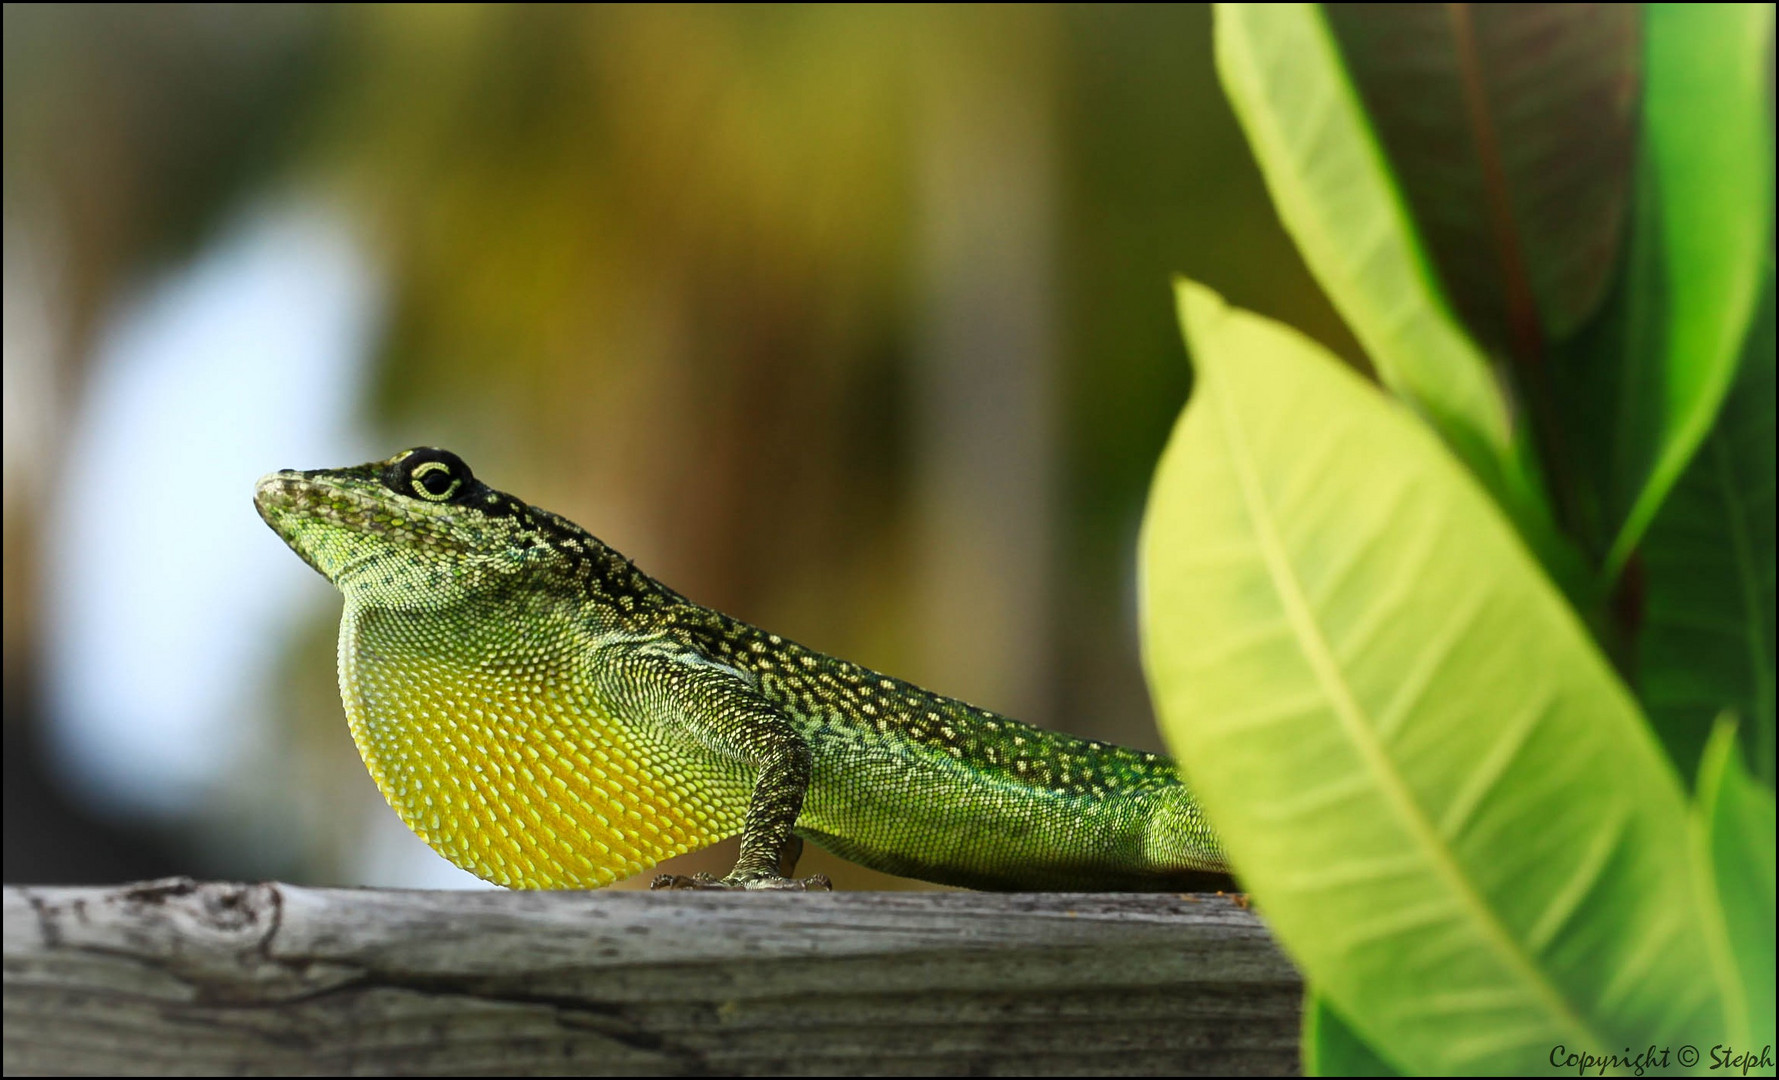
(813,883)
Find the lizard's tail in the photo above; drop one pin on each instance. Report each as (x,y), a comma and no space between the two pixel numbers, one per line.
(1180,837)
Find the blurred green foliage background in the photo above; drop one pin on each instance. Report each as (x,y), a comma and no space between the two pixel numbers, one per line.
(852,322)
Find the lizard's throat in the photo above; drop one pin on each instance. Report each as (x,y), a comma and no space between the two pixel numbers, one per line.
(498,757)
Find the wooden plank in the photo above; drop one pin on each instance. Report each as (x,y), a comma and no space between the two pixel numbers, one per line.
(184,977)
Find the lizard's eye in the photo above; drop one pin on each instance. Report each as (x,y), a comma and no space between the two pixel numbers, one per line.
(433,475)
(433,480)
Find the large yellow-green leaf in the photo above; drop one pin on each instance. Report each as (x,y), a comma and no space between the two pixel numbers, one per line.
(1446,803)
(1336,195)
(1708,567)
(1693,287)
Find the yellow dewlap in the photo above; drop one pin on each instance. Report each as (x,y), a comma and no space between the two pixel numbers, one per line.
(513,775)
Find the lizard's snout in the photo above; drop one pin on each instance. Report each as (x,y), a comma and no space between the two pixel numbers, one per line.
(279,498)
(273,489)
(285,502)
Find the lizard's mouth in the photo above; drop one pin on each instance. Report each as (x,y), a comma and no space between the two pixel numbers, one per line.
(288,502)
(325,521)
(278,495)
(339,523)
(287,499)
(292,502)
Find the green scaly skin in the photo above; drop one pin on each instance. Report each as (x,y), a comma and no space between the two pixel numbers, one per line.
(546,715)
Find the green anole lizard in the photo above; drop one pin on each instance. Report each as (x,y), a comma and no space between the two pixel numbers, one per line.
(545,715)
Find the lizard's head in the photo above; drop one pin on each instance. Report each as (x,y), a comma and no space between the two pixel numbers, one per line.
(415,531)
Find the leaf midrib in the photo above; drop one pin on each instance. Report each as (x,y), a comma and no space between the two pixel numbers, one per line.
(1352,717)
(1525,328)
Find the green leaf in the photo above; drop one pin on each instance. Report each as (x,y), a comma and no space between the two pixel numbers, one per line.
(1332,1048)
(1733,831)
(1511,129)
(1446,803)
(1710,166)
(1336,195)
(1707,565)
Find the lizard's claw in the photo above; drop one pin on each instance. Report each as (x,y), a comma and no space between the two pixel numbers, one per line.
(813,883)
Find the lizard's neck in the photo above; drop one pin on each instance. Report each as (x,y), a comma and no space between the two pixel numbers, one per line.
(612,590)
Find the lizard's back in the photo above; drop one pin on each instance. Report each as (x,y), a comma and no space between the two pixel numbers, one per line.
(914,783)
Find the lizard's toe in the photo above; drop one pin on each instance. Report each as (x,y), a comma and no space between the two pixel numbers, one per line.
(812,883)
(680,881)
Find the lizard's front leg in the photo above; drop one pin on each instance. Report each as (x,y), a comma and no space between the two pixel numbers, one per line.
(718,707)
(769,849)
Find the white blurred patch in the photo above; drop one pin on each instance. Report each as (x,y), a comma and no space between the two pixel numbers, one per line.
(168,597)
(391,856)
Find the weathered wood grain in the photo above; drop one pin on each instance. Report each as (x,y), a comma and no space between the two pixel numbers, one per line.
(184,977)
